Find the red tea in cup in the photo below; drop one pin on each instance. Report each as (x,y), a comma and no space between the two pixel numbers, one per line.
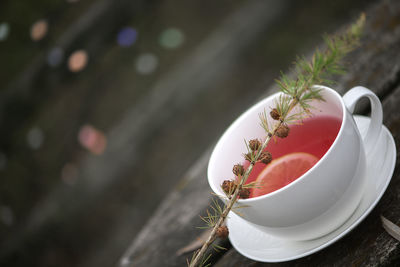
(294,155)
(325,196)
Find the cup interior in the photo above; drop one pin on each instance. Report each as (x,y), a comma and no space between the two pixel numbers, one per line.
(231,146)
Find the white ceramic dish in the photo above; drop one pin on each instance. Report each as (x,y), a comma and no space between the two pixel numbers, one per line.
(321,205)
(258,245)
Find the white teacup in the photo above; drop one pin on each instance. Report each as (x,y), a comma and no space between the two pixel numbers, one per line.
(326,195)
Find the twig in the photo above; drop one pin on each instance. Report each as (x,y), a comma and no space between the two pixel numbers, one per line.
(298,92)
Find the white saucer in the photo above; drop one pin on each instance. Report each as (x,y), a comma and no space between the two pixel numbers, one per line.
(257,245)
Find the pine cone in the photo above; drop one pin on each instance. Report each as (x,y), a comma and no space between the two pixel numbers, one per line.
(238,169)
(275,114)
(265,157)
(244,193)
(282,131)
(222,232)
(254,144)
(228,186)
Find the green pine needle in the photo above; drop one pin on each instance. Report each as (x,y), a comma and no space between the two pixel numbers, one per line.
(293,106)
(323,64)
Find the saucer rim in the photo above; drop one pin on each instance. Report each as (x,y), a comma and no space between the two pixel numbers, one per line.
(391,148)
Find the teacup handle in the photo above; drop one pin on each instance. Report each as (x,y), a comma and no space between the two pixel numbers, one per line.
(350,100)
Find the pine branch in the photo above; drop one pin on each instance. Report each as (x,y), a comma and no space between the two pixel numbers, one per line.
(297,93)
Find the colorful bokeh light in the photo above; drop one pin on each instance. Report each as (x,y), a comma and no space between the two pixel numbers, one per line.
(55,56)
(39,30)
(78,60)
(172,38)
(35,138)
(146,63)
(127,36)
(69,174)
(4,30)
(92,139)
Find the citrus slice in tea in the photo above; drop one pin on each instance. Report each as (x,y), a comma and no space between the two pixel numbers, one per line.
(282,171)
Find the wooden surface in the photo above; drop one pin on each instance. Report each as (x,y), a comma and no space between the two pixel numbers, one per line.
(173,226)
(232,51)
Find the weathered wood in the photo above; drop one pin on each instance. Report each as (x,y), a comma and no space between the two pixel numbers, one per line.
(136,126)
(375,66)
(168,222)
(225,60)
(368,244)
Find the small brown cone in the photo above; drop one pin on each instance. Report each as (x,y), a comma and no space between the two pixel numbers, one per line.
(254,144)
(244,193)
(228,186)
(265,157)
(275,114)
(238,169)
(222,232)
(282,131)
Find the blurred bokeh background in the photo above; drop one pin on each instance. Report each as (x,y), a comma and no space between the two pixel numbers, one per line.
(104,105)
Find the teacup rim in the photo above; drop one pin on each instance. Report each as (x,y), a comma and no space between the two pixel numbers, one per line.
(323,158)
